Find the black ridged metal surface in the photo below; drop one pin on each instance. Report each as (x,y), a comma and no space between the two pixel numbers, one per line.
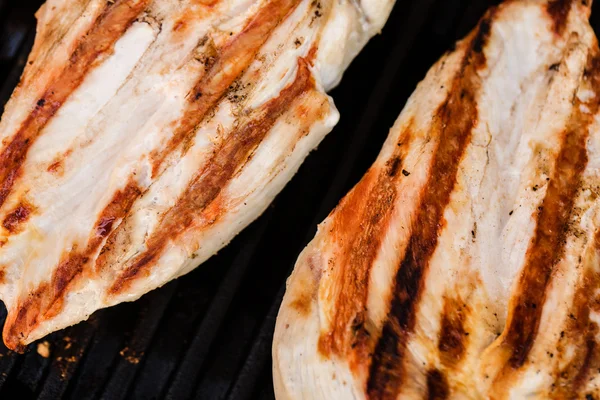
(208,335)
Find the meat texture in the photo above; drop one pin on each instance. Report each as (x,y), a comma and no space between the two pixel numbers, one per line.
(466,262)
(145,134)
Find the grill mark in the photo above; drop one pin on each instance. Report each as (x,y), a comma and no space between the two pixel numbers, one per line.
(559,12)
(18,216)
(584,326)
(229,158)
(584,370)
(222,70)
(581,331)
(437,385)
(48,299)
(96,45)
(359,225)
(456,118)
(453,337)
(547,245)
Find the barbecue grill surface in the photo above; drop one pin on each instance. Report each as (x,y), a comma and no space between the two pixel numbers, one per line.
(208,335)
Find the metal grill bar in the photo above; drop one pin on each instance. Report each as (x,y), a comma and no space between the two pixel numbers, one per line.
(183,381)
(124,372)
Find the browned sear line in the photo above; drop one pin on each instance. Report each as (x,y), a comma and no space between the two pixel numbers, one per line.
(453,337)
(581,331)
(16,217)
(559,12)
(437,385)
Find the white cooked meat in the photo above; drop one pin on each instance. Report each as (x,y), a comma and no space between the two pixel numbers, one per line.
(145,134)
(466,262)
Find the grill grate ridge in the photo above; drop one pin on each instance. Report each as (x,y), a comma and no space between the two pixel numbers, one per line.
(182,384)
(136,345)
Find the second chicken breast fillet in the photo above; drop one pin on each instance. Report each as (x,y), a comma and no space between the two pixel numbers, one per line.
(466,262)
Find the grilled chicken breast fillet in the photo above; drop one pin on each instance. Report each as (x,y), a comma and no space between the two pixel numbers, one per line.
(466,262)
(145,134)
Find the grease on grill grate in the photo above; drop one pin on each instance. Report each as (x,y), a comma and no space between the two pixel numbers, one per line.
(208,335)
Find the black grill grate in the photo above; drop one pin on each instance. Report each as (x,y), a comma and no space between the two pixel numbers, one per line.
(208,335)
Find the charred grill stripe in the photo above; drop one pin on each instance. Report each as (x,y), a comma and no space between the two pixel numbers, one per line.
(360,223)
(97,44)
(547,244)
(580,331)
(584,370)
(15,218)
(453,337)
(437,385)
(456,118)
(234,58)
(48,298)
(580,337)
(215,175)
(559,12)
